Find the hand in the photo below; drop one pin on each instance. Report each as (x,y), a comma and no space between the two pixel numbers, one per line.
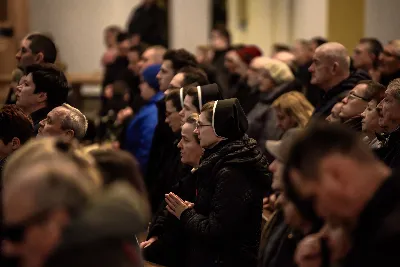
(190,204)
(176,205)
(123,114)
(109,91)
(147,243)
(308,252)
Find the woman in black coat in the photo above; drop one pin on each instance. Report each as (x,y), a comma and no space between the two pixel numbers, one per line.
(223,226)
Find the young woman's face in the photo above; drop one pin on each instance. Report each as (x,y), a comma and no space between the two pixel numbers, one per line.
(206,133)
(188,109)
(191,151)
(370,121)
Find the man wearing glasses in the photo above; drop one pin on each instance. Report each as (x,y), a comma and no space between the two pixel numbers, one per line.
(356,102)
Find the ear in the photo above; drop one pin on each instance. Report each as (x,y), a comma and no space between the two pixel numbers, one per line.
(42,97)
(70,134)
(15,143)
(39,57)
(334,167)
(335,67)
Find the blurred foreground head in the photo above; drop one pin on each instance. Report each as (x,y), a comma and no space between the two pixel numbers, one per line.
(55,209)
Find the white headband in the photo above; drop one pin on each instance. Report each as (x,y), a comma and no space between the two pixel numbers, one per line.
(199,95)
(181,96)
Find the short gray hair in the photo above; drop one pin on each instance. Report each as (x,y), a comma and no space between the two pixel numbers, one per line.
(395,86)
(74,120)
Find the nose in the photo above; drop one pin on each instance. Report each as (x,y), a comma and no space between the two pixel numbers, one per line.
(41,123)
(345,100)
(363,114)
(181,114)
(196,131)
(311,68)
(180,144)
(166,120)
(18,55)
(158,75)
(272,166)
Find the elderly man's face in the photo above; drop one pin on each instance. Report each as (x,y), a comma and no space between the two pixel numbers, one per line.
(254,72)
(389,60)
(390,110)
(52,124)
(30,234)
(321,69)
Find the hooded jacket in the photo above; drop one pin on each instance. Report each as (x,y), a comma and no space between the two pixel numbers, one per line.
(335,94)
(224,225)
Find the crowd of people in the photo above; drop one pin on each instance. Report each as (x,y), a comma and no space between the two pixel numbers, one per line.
(229,157)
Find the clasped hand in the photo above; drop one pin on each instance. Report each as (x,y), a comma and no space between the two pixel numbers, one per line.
(175,205)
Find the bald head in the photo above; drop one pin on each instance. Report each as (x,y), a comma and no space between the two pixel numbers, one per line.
(285,57)
(336,53)
(331,65)
(152,55)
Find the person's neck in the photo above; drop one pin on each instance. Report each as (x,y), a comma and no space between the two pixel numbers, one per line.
(30,110)
(367,68)
(374,176)
(370,135)
(335,81)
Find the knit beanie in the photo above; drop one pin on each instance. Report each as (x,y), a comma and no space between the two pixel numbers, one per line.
(150,76)
(248,53)
(279,71)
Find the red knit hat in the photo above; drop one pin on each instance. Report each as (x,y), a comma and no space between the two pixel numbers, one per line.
(249,52)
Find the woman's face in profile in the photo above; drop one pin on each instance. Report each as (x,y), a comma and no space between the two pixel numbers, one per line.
(191,150)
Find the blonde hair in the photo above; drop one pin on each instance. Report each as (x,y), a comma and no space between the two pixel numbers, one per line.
(295,105)
(278,71)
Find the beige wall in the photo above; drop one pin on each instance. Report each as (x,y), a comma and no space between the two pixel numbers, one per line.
(77,26)
(190,23)
(382,19)
(309,18)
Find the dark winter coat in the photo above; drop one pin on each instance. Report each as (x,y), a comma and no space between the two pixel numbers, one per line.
(377,235)
(336,94)
(224,225)
(262,119)
(169,248)
(389,152)
(386,79)
(278,243)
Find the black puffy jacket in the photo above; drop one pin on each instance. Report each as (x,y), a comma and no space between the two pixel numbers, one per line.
(223,228)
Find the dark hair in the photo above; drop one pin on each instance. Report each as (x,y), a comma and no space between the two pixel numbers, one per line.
(192,91)
(174,96)
(193,119)
(208,108)
(137,48)
(321,139)
(41,43)
(113,29)
(281,48)
(118,165)
(374,91)
(122,36)
(224,32)
(319,40)
(48,79)
(375,47)
(193,75)
(180,58)
(15,123)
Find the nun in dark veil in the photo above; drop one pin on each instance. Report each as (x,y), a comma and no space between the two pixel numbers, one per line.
(196,97)
(223,225)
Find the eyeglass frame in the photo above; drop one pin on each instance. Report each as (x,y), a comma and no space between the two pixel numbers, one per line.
(198,125)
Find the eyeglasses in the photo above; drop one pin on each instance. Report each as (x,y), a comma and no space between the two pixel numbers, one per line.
(353,95)
(198,125)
